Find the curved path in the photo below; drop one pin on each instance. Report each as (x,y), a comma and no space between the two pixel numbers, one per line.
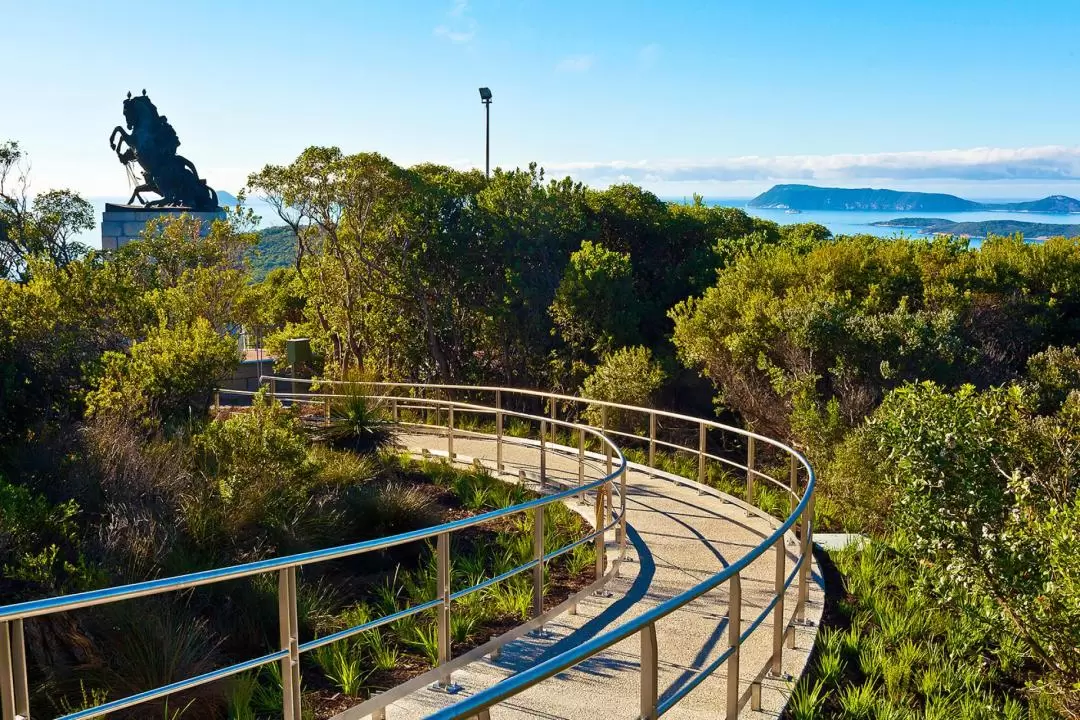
(677,537)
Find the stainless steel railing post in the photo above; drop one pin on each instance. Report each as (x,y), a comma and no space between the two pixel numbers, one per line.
(543,454)
(778,611)
(794,484)
(807,559)
(290,640)
(581,461)
(622,512)
(750,447)
(443,573)
(538,556)
(600,545)
(450,433)
(7,681)
(554,427)
(701,454)
(652,439)
(498,431)
(734,631)
(650,682)
(19,669)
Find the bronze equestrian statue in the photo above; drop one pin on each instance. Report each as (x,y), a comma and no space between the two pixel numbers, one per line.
(152,143)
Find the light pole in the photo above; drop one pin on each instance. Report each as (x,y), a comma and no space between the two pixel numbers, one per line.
(485,97)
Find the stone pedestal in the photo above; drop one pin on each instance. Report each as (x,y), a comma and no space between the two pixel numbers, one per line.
(120,224)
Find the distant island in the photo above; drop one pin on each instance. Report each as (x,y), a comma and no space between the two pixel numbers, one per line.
(810,197)
(941,226)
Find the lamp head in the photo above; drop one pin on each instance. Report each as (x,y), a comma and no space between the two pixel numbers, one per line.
(485,94)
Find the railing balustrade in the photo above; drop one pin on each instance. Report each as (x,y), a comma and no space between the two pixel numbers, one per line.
(414,404)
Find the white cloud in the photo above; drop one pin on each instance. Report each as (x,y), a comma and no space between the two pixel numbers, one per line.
(1044,163)
(458,37)
(459,29)
(575,63)
(649,54)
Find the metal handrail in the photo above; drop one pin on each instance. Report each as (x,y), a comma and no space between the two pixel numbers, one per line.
(479,705)
(13,690)
(14,695)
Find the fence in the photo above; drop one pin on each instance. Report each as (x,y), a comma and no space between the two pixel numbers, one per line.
(414,404)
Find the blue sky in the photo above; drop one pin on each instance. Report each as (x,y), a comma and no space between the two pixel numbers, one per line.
(723,98)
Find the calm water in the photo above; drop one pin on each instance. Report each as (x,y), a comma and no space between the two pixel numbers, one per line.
(852,222)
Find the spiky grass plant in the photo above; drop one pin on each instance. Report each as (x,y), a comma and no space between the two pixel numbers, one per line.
(830,666)
(357,423)
(424,638)
(872,658)
(463,624)
(241,694)
(580,559)
(513,597)
(858,702)
(382,651)
(342,663)
(807,700)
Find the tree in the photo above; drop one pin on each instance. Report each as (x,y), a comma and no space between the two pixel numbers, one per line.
(40,227)
(595,308)
(532,224)
(848,319)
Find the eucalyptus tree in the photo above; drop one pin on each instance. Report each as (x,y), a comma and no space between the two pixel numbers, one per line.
(39,226)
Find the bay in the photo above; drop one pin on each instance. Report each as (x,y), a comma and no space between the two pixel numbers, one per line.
(858,222)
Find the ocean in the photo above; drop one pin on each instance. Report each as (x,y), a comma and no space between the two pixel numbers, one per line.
(857,222)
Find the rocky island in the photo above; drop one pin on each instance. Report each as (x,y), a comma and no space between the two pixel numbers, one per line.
(941,226)
(810,197)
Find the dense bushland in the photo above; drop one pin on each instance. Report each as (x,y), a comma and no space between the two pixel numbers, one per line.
(931,383)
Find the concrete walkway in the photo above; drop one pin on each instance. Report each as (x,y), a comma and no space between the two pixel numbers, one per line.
(677,538)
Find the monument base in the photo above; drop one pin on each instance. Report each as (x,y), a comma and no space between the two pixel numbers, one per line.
(120,224)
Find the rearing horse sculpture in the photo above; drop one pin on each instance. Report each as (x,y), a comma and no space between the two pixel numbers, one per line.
(152,143)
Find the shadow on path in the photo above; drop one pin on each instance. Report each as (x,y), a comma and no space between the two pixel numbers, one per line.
(526,655)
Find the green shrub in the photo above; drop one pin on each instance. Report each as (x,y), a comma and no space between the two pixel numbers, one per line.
(580,559)
(596,308)
(161,644)
(241,695)
(513,596)
(39,542)
(383,653)
(628,376)
(343,469)
(258,478)
(170,375)
(829,667)
(987,493)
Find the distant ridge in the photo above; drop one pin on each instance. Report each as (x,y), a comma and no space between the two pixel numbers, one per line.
(810,197)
